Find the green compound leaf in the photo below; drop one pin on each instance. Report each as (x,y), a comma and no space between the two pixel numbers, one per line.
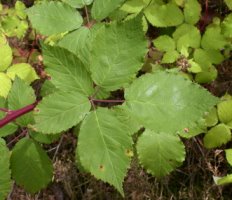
(118,53)
(160,153)
(104,147)
(170,103)
(103,8)
(29,162)
(78,3)
(229,156)
(61,111)
(164,15)
(213,33)
(164,43)
(5,85)
(217,136)
(192,11)
(20,96)
(54,17)
(67,72)
(5,173)
(225,111)
(24,71)
(5,55)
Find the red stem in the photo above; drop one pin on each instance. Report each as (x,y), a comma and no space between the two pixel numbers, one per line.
(14,114)
(4,110)
(108,101)
(205,17)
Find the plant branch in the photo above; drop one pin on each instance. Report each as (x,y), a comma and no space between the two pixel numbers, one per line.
(4,110)
(108,101)
(14,114)
(87,15)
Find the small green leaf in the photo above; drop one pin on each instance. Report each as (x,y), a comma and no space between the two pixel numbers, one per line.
(44,139)
(229,124)
(164,15)
(61,111)
(163,98)
(213,33)
(170,57)
(5,85)
(195,130)
(179,2)
(160,153)
(8,130)
(194,67)
(20,10)
(102,8)
(24,71)
(5,56)
(164,43)
(225,111)
(207,76)
(214,56)
(78,3)
(217,136)
(184,35)
(67,72)
(118,53)
(205,58)
(211,118)
(223,180)
(20,96)
(229,4)
(133,6)
(29,162)
(192,11)
(5,172)
(227,26)
(54,17)
(229,156)
(104,148)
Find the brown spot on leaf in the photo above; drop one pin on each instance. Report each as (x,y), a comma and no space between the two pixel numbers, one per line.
(186,130)
(102,168)
(129,153)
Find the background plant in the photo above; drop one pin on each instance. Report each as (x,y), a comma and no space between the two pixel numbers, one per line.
(109,53)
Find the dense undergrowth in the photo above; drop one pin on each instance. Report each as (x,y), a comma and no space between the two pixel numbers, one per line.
(134,93)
